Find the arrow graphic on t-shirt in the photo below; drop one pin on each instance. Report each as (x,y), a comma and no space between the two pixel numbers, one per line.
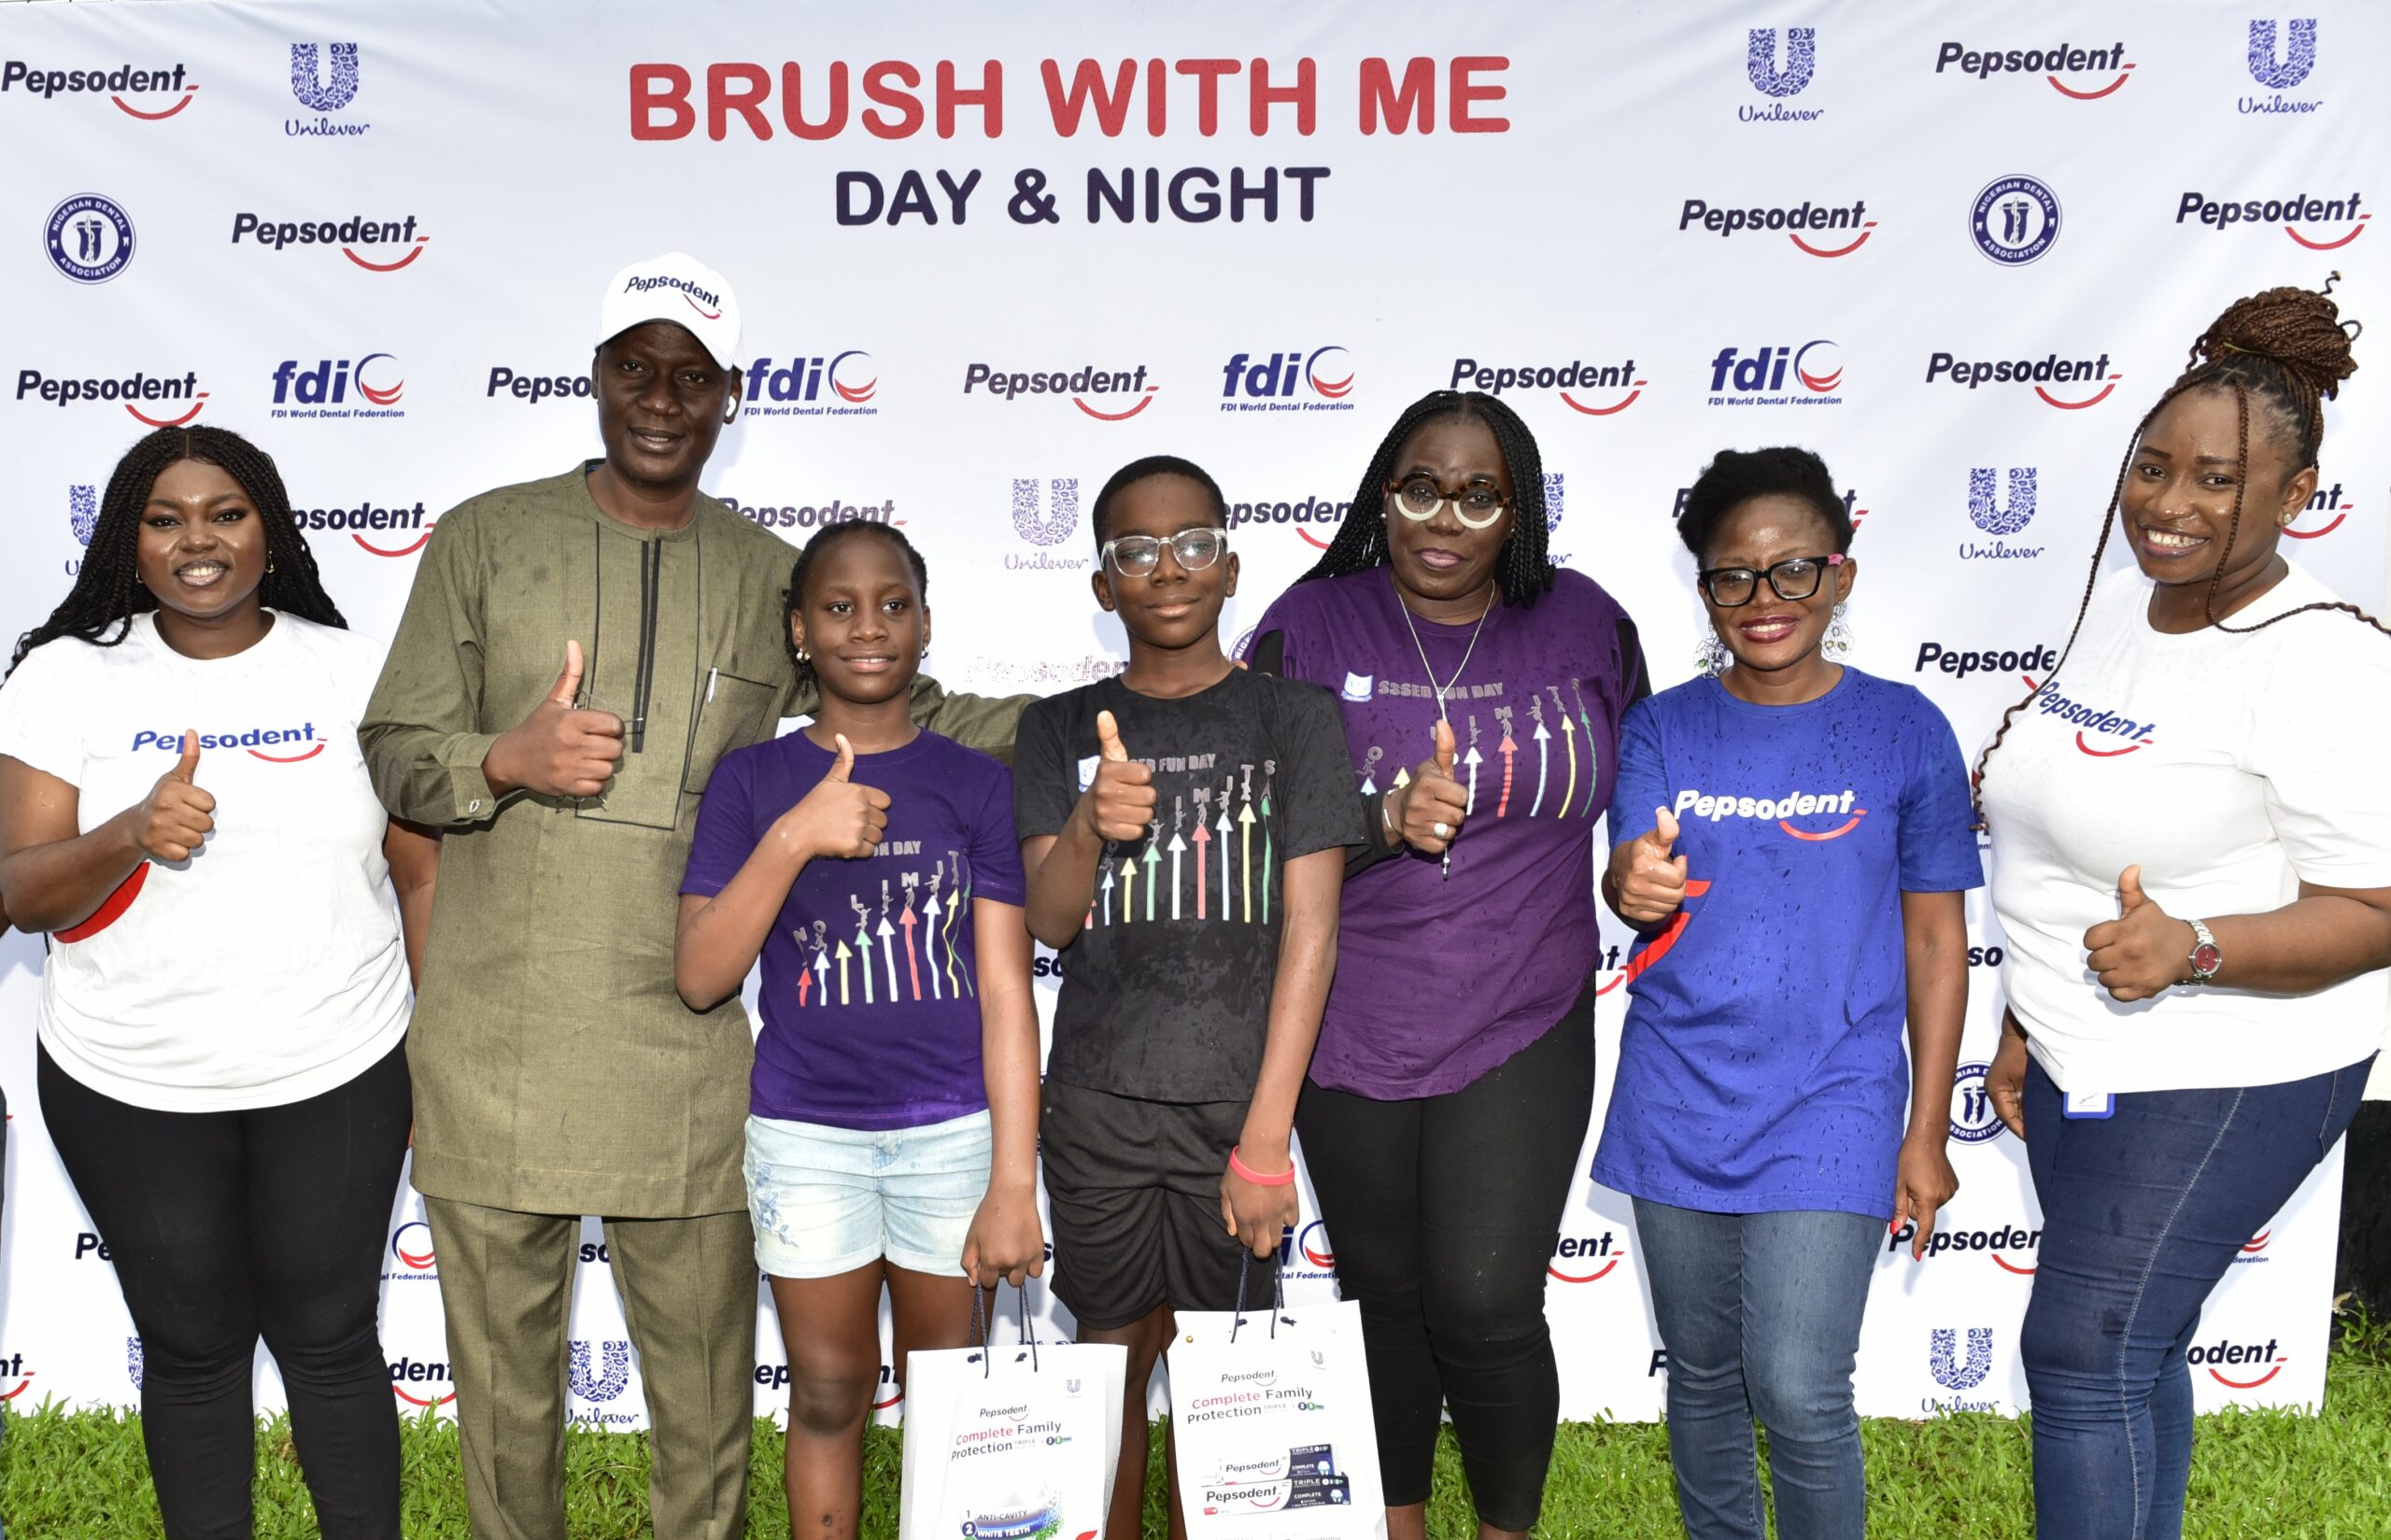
(1178,848)
(863,947)
(1245,854)
(888,953)
(1104,906)
(1568,741)
(929,917)
(844,955)
(1269,768)
(1472,759)
(1223,830)
(804,982)
(1509,752)
(1128,888)
(1202,836)
(913,963)
(1153,859)
(822,973)
(1543,753)
(1594,770)
(957,976)
(1369,765)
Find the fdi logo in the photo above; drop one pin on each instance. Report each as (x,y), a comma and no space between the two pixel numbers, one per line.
(1577,374)
(119,82)
(2089,65)
(348,235)
(2014,219)
(411,1246)
(795,389)
(90,238)
(1049,526)
(322,391)
(1079,384)
(1757,378)
(1973,1119)
(1777,81)
(2336,221)
(1999,519)
(1280,382)
(1309,1244)
(2279,62)
(324,80)
(2328,499)
(2253,1250)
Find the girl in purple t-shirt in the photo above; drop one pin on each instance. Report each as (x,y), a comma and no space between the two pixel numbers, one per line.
(892,1133)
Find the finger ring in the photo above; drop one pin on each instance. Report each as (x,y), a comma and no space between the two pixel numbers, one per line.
(1442,831)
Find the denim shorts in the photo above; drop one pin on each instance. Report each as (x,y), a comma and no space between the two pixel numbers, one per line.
(826,1201)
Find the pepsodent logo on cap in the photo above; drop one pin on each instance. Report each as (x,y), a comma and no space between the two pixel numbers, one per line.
(704,301)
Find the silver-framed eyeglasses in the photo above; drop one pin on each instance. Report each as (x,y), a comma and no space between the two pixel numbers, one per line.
(1477,505)
(1137,556)
(1796,577)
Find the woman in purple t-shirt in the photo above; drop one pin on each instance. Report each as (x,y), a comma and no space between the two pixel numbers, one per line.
(1450,1092)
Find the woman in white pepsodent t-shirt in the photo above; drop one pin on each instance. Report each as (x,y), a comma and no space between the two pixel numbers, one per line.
(2191,864)
(185,810)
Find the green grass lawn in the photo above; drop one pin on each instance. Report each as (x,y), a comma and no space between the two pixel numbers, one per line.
(2256,1475)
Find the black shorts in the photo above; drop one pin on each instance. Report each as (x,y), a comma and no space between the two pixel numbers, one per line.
(1134,1189)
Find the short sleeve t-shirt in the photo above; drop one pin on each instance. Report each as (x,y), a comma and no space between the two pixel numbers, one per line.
(267,967)
(870,986)
(1443,973)
(2230,768)
(1762,1065)
(1167,991)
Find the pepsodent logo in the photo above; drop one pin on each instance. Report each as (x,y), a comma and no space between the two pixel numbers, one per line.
(1781,71)
(2252,1364)
(14,1376)
(394,243)
(256,740)
(532,389)
(2327,502)
(818,385)
(2115,734)
(1045,524)
(390,523)
(322,390)
(2279,62)
(1960,662)
(1599,383)
(1293,379)
(1759,378)
(2085,382)
(1834,807)
(1850,505)
(1585,1259)
(2330,222)
(2012,1247)
(1822,230)
(2091,72)
(324,79)
(162,393)
(159,94)
(1988,512)
(1108,395)
(814,516)
(418,1382)
(1303,515)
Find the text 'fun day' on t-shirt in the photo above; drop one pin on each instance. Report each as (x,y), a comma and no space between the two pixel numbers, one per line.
(2232,769)
(267,967)
(1166,989)
(1762,1065)
(871,987)
(1442,975)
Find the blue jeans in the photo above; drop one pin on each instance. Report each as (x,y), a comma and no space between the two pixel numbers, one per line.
(2143,1213)
(1760,1317)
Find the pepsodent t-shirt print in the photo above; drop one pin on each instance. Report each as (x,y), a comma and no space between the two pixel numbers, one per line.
(1166,989)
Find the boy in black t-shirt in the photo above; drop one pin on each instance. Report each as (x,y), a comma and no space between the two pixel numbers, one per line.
(1195,885)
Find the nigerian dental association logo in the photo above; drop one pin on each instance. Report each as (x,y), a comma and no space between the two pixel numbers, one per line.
(1973,1117)
(89,238)
(2014,219)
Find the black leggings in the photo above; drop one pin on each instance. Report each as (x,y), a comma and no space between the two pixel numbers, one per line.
(1443,1212)
(224,1226)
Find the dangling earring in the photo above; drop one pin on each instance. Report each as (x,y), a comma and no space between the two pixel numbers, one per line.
(1838,642)
(269,566)
(1711,656)
(804,657)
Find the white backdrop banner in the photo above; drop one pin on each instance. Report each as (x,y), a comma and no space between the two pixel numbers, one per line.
(986,255)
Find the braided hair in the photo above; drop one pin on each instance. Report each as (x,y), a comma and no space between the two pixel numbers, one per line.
(108,591)
(2285,351)
(793,596)
(1523,568)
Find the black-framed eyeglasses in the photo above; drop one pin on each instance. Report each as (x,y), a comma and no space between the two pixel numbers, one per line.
(1136,556)
(1796,577)
(1477,505)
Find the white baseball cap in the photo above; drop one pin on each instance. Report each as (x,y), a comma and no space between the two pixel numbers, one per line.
(677,288)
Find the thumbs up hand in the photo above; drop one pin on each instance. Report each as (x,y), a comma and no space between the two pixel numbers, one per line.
(1649,881)
(557,750)
(1119,803)
(1430,801)
(839,817)
(174,818)
(2144,951)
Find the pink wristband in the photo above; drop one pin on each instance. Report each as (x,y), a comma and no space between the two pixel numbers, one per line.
(1283,1178)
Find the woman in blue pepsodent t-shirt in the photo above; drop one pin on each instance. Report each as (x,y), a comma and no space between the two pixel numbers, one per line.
(1792,843)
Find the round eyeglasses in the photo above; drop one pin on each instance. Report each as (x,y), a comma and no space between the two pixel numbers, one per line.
(1417,497)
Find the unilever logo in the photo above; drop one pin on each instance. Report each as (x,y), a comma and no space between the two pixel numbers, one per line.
(1801,59)
(1552,488)
(82,512)
(1942,1357)
(1062,514)
(1997,520)
(306,76)
(610,1381)
(2289,72)
(133,1359)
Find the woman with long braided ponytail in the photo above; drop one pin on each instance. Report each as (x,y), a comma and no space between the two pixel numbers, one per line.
(222,1065)
(2191,860)
(1449,1098)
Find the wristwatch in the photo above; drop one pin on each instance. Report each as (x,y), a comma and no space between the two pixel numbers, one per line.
(2206,958)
